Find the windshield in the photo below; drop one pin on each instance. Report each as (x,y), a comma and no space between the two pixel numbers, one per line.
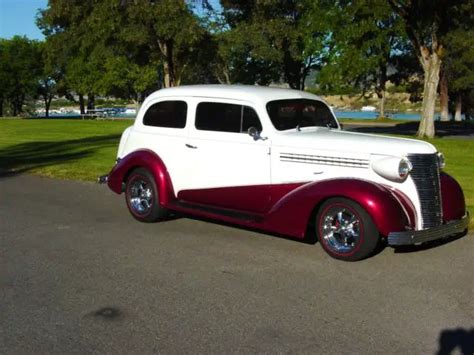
(298,113)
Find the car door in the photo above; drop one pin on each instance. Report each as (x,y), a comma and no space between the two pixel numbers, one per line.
(162,128)
(227,167)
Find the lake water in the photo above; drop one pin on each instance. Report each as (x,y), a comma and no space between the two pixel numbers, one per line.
(367,115)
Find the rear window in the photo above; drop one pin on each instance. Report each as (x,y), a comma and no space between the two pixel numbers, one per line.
(168,114)
(223,117)
(298,113)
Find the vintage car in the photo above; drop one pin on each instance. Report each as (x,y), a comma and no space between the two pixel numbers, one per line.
(277,160)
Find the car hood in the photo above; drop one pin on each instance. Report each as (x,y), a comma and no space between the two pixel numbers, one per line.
(321,138)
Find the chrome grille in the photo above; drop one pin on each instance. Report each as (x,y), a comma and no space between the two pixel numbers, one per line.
(425,175)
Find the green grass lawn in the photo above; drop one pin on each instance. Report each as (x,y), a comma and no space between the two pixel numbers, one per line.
(65,149)
(83,150)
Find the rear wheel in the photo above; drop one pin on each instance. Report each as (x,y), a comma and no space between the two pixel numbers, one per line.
(141,195)
(345,230)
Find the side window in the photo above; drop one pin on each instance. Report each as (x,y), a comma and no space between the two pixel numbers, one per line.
(250,119)
(213,116)
(221,117)
(169,114)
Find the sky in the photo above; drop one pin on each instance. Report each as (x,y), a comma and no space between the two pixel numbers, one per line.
(17,17)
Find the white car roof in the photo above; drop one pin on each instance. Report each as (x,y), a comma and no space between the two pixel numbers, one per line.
(249,93)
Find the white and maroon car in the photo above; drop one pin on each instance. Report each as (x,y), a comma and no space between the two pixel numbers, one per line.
(277,160)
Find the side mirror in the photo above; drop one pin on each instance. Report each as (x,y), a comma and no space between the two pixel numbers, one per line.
(255,134)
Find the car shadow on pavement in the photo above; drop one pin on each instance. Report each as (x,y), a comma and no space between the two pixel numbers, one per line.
(23,157)
(402,249)
(456,339)
(309,238)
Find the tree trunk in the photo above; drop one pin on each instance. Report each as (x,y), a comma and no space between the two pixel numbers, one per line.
(458,113)
(382,104)
(90,102)
(81,104)
(431,66)
(381,88)
(166,76)
(444,97)
(304,75)
(166,48)
(47,104)
(1,107)
(223,76)
(303,79)
(19,104)
(16,104)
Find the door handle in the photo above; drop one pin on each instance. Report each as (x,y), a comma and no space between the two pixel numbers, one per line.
(190,146)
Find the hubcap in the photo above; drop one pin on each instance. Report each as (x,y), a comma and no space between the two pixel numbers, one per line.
(141,196)
(341,229)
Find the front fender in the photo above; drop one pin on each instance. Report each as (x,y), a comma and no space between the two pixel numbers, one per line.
(452,197)
(143,159)
(291,214)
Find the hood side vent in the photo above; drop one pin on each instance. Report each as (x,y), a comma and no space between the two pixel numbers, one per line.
(324,160)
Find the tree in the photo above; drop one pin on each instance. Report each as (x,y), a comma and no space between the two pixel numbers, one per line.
(369,41)
(459,58)
(443,95)
(426,23)
(125,79)
(64,23)
(166,31)
(19,71)
(282,36)
(119,47)
(3,74)
(50,76)
(234,63)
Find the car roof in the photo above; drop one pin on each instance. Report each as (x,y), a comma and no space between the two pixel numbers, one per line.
(250,93)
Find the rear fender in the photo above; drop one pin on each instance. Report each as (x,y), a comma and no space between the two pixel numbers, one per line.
(150,161)
(291,214)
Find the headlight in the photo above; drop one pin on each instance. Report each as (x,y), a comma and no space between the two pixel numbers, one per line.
(392,168)
(404,168)
(441,161)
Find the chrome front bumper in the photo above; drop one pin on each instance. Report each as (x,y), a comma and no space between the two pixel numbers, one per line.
(103,179)
(427,235)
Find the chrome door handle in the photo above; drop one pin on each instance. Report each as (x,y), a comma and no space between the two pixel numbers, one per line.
(190,146)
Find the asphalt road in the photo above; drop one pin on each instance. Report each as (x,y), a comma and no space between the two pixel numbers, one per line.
(78,274)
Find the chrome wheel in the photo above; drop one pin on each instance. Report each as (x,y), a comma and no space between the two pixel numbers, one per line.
(141,196)
(341,229)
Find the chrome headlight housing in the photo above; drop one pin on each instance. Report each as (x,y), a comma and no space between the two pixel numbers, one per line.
(441,160)
(404,168)
(392,168)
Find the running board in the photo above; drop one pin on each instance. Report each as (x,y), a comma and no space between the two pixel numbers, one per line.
(216,211)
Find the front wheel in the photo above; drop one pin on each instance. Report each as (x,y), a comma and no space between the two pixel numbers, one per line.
(345,230)
(141,195)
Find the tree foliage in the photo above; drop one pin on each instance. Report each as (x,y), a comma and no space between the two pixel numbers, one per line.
(20,70)
(368,44)
(271,40)
(129,48)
